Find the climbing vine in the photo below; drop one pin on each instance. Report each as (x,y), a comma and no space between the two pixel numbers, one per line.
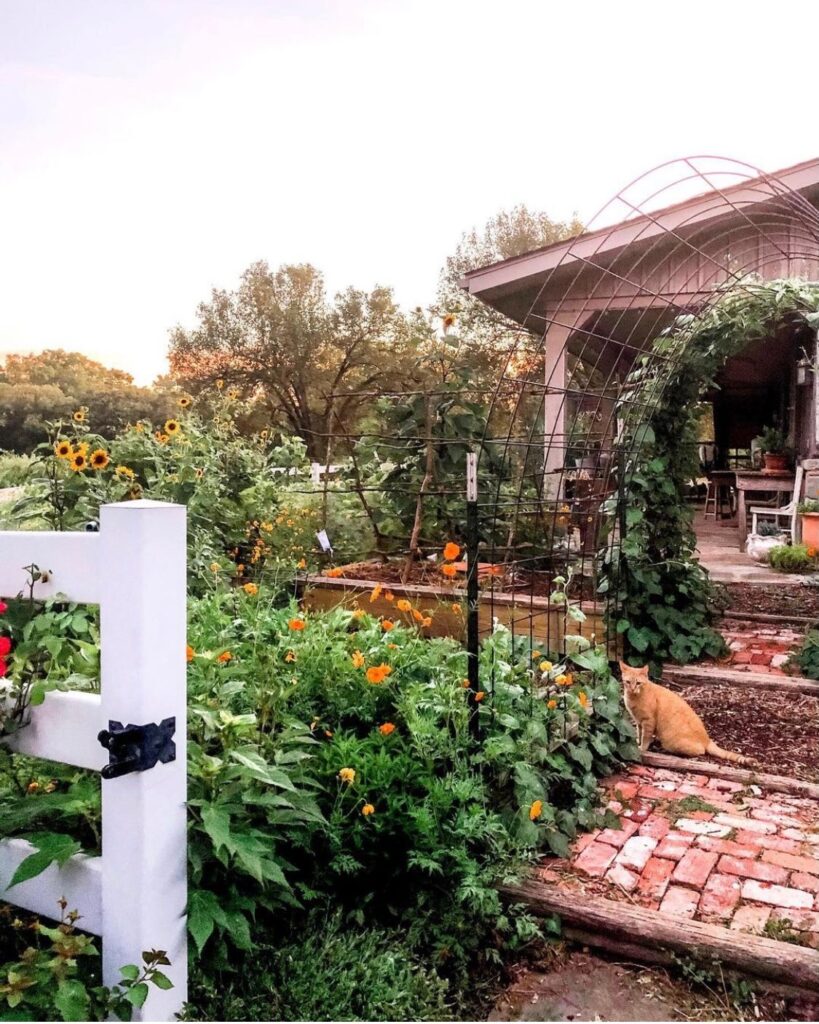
(665,601)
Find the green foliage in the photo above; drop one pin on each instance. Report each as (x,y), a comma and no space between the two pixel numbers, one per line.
(332,972)
(664,600)
(13,469)
(810,506)
(793,558)
(807,657)
(52,973)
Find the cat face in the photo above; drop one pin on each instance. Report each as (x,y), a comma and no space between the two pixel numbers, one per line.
(633,678)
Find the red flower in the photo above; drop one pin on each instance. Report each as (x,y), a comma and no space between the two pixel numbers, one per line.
(5,646)
(3,607)
(3,668)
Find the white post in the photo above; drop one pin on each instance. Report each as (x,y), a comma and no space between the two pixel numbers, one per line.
(143,668)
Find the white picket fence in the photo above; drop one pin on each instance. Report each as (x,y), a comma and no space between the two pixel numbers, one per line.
(134,895)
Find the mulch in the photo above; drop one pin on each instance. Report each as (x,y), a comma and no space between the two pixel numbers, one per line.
(778,730)
(799,600)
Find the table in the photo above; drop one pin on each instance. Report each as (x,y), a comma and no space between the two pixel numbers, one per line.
(755,480)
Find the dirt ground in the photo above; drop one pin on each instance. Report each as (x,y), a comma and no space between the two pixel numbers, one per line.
(778,730)
(801,601)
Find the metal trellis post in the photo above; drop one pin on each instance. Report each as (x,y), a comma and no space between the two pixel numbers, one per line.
(472,641)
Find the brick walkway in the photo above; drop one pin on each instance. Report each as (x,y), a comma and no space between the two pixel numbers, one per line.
(755,647)
(703,848)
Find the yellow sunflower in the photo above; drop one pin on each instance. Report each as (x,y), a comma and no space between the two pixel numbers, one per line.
(172,427)
(79,416)
(99,458)
(184,402)
(124,472)
(78,462)
(62,449)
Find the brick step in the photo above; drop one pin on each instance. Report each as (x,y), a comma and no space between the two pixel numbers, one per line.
(698,674)
(744,776)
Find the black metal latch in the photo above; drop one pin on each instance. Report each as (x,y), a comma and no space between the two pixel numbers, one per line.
(136,748)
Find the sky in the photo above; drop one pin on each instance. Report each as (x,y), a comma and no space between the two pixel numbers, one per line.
(150,150)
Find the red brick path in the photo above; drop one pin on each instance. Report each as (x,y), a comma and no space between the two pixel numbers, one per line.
(752,858)
(754,647)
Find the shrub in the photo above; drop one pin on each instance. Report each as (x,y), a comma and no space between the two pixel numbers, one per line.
(793,558)
(13,469)
(807,657)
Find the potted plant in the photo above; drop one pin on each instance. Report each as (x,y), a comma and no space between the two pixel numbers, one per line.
(809,513)
(771,442)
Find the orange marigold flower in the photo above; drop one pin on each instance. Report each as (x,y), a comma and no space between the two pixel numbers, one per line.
(564,680)
(335,573)
(386,728)
(464,683)
(536,655)
(583,700)
(457,609)
(367,810)
(451,551)
(250,589)
(427,620)
(811,552)
(374,596)
(296,624)
(224,657)
(387,625)
(32,787)
(375,675)
(347,775)
(389,596)
(357,659)
(449,570)
(417,615)
(480,695)
(358,613)
(551,704)
(190,653)
(302,563)
(403,605)
(535,810)
(290,656)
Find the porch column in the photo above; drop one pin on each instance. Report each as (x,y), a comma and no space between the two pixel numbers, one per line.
(555,438)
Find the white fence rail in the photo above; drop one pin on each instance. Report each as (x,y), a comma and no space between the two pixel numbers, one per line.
(133,896)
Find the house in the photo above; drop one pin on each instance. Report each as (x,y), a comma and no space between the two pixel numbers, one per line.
(599,299)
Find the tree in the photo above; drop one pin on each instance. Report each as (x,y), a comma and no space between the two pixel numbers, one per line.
(52,384)
(311,363)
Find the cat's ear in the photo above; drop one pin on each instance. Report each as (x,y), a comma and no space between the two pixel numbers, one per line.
(644,671)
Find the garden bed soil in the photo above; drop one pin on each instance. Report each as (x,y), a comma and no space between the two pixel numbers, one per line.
(780,731)
(786,600)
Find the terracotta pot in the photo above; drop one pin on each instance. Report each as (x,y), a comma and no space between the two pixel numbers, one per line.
(776,462)
(810,529)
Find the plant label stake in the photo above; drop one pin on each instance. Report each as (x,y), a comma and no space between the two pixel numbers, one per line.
(472,590)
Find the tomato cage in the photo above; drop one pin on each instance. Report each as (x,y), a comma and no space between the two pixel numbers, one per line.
(498,492)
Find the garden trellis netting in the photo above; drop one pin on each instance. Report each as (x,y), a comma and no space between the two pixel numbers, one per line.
(560,417)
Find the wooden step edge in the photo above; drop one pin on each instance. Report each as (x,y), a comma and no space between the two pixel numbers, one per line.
(770,618)
(612,920)
(745,776)
(694,674)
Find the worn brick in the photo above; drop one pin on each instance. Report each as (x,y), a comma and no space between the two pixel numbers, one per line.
(653,793)
(654,879)
(595,859)
(747,824)
(674,845)
(636,852)
(617,836)
(639,811)
(702,828)
(679,901)
(767,842)
(725,785)
(622,877)
(694,867)
(625,790)
(808,882)
(584,840)
(547,875)
(719,896)
(779,818)
(749,918)
(655,826)
(726,846)
(776,895)
(801,835)
(788,860)
(801,920)
(697,780)
(746,868)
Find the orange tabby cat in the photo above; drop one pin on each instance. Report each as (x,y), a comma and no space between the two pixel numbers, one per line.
(663,715)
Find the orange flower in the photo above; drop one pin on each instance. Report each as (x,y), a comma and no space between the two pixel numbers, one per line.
(551,704)
(367,810)
(335,573)
(451,551)
(224,657)
(449,320)
(480,695)
(565,680)
(378,673)
(392,647)
(426,621)
(250,589)
(358,613)
(403,605)
(457,609)
(811,552)
(347,775)
(386,728)
(535,810)
(358,659)
(449,571)
(387,625)
(389,596)
(418,616)
(302,563)
(190,653)
(536,655)
(374,596)
(296,625)
(290,656)
(583,700)
(464,683)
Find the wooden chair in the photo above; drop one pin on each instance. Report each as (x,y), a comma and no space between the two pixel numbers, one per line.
(787,512)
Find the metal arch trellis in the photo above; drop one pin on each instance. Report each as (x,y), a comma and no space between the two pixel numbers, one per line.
(538,517)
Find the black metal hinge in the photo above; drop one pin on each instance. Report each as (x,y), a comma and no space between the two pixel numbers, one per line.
(136,748)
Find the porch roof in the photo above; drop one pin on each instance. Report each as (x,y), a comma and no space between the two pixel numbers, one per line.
(731,220)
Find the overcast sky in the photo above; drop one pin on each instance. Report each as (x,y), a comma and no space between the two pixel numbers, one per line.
(152,149)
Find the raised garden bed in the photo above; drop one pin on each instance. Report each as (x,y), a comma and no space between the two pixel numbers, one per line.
(522,611)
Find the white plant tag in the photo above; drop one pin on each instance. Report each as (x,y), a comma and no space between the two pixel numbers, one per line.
(324,540)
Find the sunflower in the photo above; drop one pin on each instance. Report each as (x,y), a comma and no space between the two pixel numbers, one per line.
(161,438)
(124,472)
(184,402)
(78,462)
(81,448)
(99,458)
(220,384)
(79,416)
(62,449)
(449,320)
(172,427)
(233,394)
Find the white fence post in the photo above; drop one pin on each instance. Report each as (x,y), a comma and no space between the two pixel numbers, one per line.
(143,668)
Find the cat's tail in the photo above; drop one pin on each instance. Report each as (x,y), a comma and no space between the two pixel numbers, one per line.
(726,755)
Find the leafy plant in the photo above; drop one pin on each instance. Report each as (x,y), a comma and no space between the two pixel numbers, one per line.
(793,558)
(772,440)
(807,657)
(810,506)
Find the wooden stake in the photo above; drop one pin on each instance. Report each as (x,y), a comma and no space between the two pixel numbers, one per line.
(775,783)
(695,675)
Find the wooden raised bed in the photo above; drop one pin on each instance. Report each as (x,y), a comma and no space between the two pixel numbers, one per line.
(523,613)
